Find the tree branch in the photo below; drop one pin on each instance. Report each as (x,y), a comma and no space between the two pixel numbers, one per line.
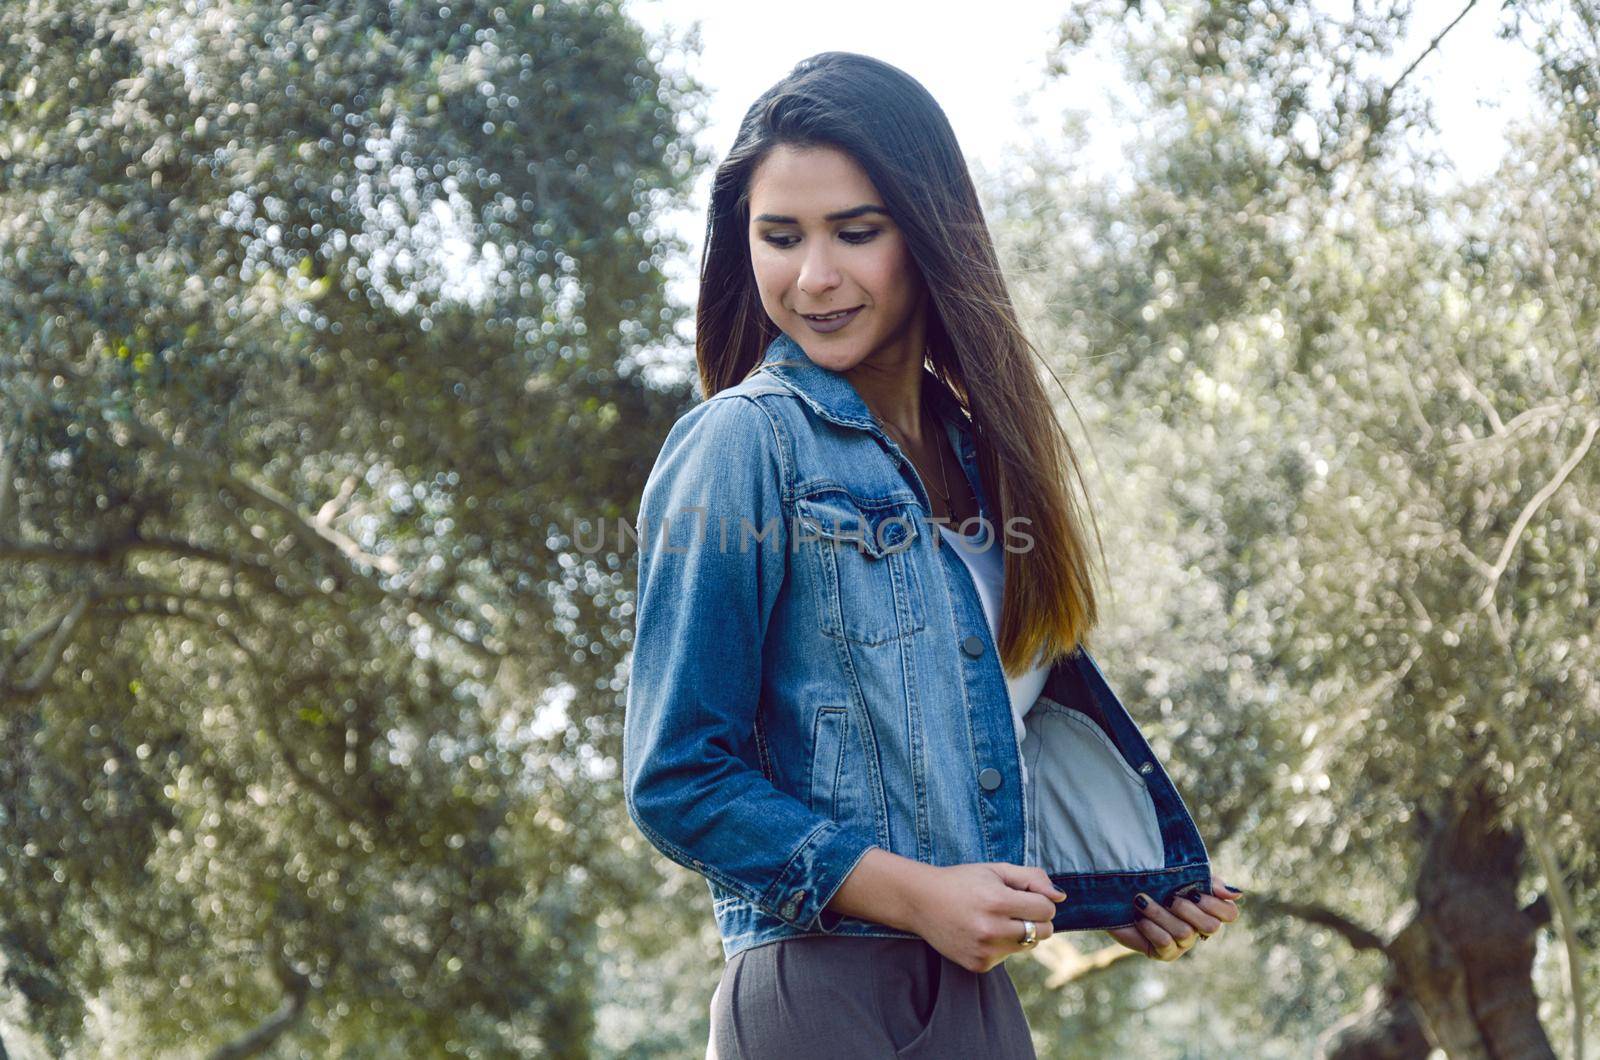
(1530,510)
(106,553)
(257,1040)
(319,537)
(1359,937)
(65,625)
(1388,93)
(1512,427)
(8,491)
(1067,963)
(1496,424)
(1378,110)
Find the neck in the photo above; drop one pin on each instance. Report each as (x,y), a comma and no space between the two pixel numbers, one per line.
(891,387)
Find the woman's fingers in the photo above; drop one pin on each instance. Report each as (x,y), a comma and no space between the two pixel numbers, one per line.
(1179,932)
(1224,910)
(1042,930)
(1163,947)
(1032,895)
(1222,904)
(1027,878)
(1026,905)
(1196,917)
(1131,937)
(1169,932)
(1226,891)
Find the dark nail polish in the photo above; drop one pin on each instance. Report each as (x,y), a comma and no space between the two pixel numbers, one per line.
(1232,888)
(1141,901)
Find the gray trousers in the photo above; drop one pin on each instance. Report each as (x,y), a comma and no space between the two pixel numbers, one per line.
(842,997)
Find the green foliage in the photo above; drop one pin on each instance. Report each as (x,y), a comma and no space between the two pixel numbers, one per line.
(1348,416)
(318,336)
(321,329)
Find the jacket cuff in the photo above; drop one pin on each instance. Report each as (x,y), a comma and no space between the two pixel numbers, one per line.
(814,874)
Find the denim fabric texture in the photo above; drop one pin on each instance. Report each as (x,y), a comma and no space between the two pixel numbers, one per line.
(813,675)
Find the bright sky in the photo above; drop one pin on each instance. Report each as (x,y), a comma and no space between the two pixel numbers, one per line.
(987,72)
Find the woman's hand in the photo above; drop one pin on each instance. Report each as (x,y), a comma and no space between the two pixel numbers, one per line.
(1167,934)
(973,913)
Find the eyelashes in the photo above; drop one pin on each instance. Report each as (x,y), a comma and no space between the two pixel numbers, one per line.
(854,238)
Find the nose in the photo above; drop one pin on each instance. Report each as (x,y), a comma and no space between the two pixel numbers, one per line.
(817,272)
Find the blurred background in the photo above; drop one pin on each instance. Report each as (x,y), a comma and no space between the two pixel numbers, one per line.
(337,339)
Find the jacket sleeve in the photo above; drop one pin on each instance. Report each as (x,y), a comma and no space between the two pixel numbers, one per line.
(706,589)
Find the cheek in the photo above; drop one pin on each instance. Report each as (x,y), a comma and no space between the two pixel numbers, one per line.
(771,274)
(890,276)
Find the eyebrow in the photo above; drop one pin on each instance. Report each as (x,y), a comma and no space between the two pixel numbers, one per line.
(837,215)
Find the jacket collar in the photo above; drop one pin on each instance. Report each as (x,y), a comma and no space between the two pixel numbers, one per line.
(832,396)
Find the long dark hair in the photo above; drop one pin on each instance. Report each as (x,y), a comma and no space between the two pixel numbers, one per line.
(889,124)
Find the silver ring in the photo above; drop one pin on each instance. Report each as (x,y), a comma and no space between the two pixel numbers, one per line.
(1029,936)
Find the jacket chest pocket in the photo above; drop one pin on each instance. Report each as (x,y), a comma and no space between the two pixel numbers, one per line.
(861,558)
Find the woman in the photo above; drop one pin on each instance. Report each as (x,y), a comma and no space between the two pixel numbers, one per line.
(880,738)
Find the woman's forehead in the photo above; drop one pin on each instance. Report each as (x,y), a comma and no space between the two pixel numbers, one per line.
(809,183)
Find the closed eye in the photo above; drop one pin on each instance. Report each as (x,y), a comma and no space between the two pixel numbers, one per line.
(855,237)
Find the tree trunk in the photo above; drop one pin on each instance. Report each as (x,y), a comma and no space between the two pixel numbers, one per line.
(1466,958)
(1387,1028)
(1460,974)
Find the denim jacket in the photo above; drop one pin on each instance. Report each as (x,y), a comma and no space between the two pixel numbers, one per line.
(813,675)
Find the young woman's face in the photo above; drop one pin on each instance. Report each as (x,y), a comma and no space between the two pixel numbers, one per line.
(810,260)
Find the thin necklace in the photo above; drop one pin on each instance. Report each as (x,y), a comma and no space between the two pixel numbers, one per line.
(944,495)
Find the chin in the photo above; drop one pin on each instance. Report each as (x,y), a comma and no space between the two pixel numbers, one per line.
(836,359)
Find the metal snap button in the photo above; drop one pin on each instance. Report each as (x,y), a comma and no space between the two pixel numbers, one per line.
(989,779)
(1147,767)
(973,646)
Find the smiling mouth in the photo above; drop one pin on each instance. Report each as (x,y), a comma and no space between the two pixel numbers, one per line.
(830,316)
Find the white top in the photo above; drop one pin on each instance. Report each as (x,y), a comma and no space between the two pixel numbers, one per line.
(988,574)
